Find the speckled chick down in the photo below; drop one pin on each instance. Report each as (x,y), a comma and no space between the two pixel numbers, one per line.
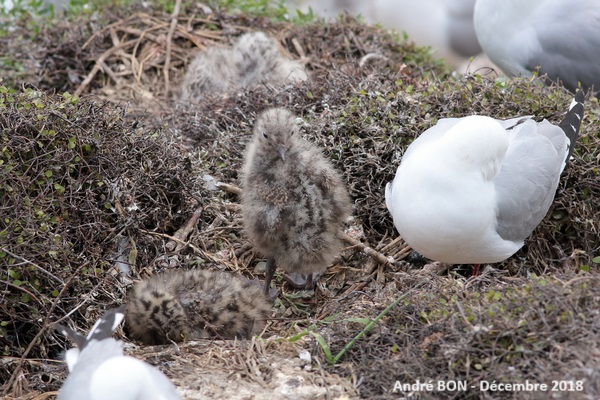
(294,202)
(258,60)
(212,71)
(195,304)
(254,59)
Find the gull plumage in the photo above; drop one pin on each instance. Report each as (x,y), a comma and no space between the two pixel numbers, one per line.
(560,37)
(98,369)
(471,190)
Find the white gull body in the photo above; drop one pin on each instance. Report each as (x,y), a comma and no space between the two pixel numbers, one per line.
(471,190)
(445,25)
(98,370)
(562,37)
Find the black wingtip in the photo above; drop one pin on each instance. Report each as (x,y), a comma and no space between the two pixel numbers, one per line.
(102,329)
(572,122)
(580,96)
(78,339)
(105,326)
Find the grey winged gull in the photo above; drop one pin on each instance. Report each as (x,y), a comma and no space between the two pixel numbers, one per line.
(470,190)
(561,37)
(444,25)
(98,370)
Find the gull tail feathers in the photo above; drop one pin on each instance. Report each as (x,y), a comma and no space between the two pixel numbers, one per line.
(102,329)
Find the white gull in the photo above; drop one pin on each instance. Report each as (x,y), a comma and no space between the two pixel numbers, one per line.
(99,370)
(471,190)
(562,37)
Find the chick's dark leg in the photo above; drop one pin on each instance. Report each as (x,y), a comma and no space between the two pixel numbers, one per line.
(269,275)
(309,281)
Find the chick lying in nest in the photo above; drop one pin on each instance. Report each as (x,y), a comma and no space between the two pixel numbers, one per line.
(254,59)
(196,304)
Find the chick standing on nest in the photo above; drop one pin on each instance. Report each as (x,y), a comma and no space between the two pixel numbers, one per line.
(195,304)
(294,202)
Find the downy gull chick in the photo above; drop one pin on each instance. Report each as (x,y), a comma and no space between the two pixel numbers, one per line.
(294,202)
(196,304)
(255,59)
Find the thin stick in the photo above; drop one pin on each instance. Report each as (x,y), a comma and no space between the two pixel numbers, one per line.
(23,290)
(97,33)
(298,48)
(197,250)
(371,252)
(98,65)
(403,251)
(106,69)
(229,188)
(56,278)
(183,232)
(169,40)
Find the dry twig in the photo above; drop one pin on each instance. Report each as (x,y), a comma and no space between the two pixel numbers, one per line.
(184,231)
(229,188)
(196,250)
(366,249)
(169,41)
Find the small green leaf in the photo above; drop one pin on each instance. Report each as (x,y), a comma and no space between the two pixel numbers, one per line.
(364,321)
(584,268)
(324,346)
(298,336)
(59,188)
